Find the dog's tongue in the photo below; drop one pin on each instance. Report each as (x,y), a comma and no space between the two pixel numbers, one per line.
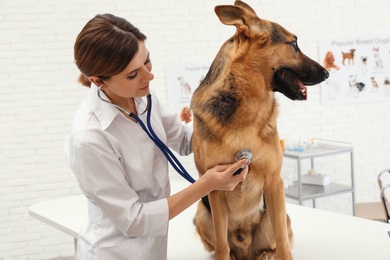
(302,87)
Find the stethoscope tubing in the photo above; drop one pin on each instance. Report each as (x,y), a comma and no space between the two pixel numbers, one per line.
(175,163)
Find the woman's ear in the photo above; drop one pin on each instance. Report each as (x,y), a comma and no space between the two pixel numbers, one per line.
(96,80)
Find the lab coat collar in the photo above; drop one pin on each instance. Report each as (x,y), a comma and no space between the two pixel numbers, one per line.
(105,112)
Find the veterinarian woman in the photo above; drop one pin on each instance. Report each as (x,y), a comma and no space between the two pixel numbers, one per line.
(120,170)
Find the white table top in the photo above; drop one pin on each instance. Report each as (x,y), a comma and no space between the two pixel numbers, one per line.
(318,234)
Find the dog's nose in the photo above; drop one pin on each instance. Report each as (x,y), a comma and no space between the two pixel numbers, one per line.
(325,73)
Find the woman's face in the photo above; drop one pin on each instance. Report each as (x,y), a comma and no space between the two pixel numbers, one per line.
(134,80)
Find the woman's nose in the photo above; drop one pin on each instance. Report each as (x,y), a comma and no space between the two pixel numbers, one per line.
(147,74)
(150,75)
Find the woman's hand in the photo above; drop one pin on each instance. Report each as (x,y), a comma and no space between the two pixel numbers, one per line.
(186,115)
(221,177)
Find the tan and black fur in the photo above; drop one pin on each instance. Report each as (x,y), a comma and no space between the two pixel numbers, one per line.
(234,108)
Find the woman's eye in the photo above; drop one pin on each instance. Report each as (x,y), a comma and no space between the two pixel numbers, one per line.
(132,76)
(135,74)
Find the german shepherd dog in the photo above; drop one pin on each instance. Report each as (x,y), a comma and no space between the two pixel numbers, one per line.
(234,108)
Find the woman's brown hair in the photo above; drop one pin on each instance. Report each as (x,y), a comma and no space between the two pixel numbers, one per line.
(105,46)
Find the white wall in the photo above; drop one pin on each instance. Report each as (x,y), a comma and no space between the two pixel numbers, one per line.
(39,94)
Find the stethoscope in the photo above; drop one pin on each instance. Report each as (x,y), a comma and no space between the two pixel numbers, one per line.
(152,135)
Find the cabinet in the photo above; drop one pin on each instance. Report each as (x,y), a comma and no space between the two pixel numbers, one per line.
(302,192)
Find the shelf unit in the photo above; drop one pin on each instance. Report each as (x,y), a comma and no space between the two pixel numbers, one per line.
(302,192)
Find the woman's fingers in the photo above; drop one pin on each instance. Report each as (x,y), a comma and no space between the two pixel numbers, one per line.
(235,166)
(231,168)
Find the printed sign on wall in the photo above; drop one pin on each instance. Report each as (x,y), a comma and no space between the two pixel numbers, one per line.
(182,82)
(359,69)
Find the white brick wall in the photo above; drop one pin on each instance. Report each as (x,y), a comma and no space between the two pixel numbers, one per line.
(39,94)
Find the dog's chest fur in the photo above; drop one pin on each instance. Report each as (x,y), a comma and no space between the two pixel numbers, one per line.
(234,109)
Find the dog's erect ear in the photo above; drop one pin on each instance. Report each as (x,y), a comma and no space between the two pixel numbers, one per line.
(245,6)
(245,20)
(230,15)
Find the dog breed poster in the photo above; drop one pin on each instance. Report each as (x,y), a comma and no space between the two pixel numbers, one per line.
(181,83)
(359,69)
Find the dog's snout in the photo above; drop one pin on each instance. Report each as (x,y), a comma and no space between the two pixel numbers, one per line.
(325,73)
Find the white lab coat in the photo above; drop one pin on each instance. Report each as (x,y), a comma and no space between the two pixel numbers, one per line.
(125,178)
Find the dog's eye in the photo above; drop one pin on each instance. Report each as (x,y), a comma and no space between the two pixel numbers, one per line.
(295,45)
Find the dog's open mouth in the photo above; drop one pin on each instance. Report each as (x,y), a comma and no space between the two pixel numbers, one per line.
(289,84)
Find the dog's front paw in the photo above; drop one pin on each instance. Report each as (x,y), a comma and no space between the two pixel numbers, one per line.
(222,255)
(286,256)
(267,254)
